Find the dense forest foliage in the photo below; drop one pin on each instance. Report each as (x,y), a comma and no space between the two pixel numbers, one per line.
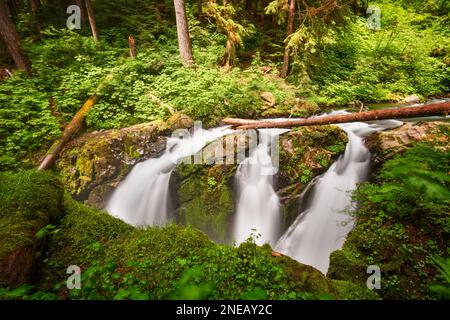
(335,59)
(310,55)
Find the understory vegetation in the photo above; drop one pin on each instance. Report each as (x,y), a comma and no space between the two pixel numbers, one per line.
(403,226)
(115,257)
(336,60)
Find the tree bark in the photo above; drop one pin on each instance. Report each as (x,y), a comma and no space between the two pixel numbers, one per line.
(184,42)
(72,129)
(90,13)
(290,30)
(35,6)
(132,45)
(434,109)
(11,39)
(79,3)
(13,6)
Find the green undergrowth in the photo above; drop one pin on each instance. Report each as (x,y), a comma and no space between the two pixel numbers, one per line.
(402,226)
(34,110)
(119,261)
(28,201)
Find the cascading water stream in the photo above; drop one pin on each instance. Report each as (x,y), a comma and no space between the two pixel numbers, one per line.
(143,198)
(258,205)
(323,225)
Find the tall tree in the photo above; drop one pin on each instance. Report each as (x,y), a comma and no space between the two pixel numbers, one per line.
(11,39)
(90,13)
(184,42)
(224,16)
(35,6)
(290,30)
(79,3)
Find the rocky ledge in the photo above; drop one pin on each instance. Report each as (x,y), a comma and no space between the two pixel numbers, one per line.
(93,165)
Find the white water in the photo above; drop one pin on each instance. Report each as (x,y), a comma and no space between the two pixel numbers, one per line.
(258,205)
(322,227)
(143,198)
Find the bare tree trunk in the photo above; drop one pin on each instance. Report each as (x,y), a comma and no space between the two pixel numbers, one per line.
(90,13)
(132,45)
(11,39)
(290,29)
(184,42)
(35,6)
(433,109)
(79,3)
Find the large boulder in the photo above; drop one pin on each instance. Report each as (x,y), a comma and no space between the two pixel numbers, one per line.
(305,152)
(386,144)
(92,166)
(205,190)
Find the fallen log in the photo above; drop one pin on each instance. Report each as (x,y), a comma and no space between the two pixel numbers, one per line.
(71,129)
(238,122)
(433,109)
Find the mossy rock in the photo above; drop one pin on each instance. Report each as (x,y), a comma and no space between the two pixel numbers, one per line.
(385,145)
(205,189)
(305,153)
(161,261)
(346,290)
(206,198)
(346,265)
(29,200)
(120,261)
(97,161)
(303,277)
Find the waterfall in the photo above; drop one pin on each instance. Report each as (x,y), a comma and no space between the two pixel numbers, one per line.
(258,205)
(143,198)
(323,225)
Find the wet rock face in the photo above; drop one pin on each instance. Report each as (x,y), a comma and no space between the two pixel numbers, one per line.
(386,144)
(305,153)
(205,190)
(92,166)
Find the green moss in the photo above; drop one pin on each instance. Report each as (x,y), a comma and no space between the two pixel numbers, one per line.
(29,200)
(206,199)
(306,152)
(120,261)
(80,232)
(400,225)
(347,290)
(304,277)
